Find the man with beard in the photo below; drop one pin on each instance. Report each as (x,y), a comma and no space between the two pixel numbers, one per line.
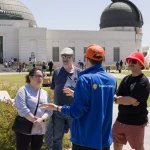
(132,96)
(63,77)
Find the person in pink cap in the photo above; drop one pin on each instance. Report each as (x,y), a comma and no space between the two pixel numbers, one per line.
(132,96)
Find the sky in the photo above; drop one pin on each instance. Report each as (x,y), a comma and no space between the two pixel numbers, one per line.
(79,14)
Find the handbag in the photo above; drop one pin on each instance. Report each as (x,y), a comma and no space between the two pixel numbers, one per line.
(23,125)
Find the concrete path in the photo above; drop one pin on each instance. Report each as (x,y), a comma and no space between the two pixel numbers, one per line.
(120,76)
(147,131)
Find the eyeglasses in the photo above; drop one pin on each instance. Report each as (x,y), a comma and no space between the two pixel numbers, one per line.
(66,57)
(132,61)
(38,76)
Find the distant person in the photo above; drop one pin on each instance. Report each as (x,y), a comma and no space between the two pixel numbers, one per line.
(121,64)
(50,65)
(6,65)
(117,65)
(34,65)
(19,67)
(125,66)
(119,69)
(44,68)
(132,96)
(107,68)
(35,60)
(81,65)
(9,64)
(12,62)
(24,67)
(93,104)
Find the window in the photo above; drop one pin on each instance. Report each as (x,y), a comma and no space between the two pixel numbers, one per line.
(116,54)
(56,54)
(73,48)
(84,53)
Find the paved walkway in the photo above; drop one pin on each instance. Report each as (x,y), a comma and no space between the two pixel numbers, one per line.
(147,131)
(120,76)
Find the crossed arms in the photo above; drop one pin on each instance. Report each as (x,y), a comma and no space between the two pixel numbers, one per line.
(126,100)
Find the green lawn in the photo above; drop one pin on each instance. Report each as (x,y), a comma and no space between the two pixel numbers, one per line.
(15,80)
(147,73)
(19,80)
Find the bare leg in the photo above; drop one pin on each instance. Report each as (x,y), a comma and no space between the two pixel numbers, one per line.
(141,148)
(118,146)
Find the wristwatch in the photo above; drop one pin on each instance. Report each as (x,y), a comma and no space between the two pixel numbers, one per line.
(57,108)
(43,120)
(115,99)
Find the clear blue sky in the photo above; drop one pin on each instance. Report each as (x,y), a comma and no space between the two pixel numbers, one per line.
(79,14)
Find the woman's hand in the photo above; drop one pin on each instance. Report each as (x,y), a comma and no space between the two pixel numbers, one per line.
(38,121)
(68,92)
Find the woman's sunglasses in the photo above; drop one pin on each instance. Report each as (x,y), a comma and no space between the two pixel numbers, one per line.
(38,76)
(132,61)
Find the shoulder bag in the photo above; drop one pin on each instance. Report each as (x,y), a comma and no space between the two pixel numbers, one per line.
(23,125)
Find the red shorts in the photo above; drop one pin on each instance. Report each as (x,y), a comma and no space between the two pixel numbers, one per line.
(131,133)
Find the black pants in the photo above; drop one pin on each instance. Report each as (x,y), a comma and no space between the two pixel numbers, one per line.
(76,147)
(23,141)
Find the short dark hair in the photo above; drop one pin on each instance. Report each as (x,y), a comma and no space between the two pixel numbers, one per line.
(31,73)
(93,62)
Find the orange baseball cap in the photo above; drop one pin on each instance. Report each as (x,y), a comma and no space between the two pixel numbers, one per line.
(95,52)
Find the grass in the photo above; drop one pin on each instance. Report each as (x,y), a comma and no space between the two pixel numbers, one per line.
(147,73)
(16,80)
(19,80)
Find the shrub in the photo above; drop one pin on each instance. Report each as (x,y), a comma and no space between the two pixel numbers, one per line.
(147,67)
(7,113)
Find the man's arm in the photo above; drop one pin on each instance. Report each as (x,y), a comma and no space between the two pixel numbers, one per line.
(81,102)
(138,95)
(126,100)
(68,92)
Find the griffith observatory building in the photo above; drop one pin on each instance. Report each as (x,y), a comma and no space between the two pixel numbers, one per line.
(120,33)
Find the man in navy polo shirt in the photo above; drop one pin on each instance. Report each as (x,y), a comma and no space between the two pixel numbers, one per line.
(63,77)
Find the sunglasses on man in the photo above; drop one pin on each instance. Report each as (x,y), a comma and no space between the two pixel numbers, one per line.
(132,61)
(66,56)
